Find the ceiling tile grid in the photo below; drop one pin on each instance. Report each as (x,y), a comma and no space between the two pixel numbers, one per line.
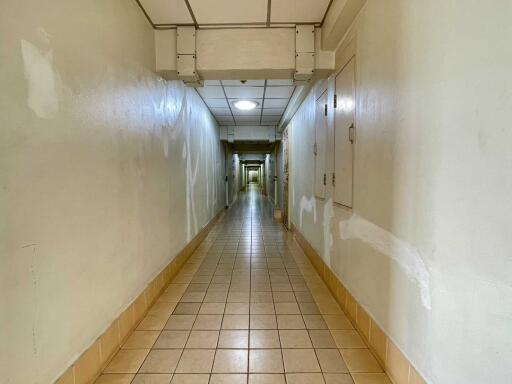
(235,12)
(244,92)
(271,96)
(167,12)
(298,11)
(229,11)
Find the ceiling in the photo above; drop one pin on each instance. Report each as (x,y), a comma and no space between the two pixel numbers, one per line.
(272,97)
(210,13)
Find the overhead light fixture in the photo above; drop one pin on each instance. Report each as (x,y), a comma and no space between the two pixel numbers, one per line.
(245,105)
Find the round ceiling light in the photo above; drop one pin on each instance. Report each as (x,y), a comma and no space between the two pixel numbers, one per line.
(245,105)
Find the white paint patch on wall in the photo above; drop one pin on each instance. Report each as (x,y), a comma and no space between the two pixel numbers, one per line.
(191,182)
(405,254)
(165,141)
(42,80)
(308,205)
(328,240)
(99,158)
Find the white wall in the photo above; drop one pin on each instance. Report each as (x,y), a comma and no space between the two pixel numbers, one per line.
(235,177)
(233,172)
(432,185)
(269,174)
(106,172)
(253,177)
(280,175)
(241,176)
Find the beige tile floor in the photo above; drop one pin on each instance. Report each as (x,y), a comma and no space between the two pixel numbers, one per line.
(249,308)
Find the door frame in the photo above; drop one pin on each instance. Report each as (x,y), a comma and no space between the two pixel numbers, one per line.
(286,176)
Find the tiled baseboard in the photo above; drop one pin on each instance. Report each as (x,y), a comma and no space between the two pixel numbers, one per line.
(396,365)
(90,364)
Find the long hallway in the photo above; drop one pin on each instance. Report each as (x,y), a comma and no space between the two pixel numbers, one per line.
(255,191)
(248,307)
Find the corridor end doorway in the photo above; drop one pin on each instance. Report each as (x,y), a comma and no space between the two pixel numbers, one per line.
(257,166)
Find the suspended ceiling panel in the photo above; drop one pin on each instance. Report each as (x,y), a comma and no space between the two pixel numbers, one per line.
(273,111)
(252,112)
(244,92)
(217,13)
(279,92)
(275,103)
(167,11)
(212,92)
(272,97)
(298,11)
(229,11)
(217,103)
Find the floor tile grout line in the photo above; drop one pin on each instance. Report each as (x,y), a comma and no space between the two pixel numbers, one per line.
(284,251)
(160,332)
(222,320)
(249,324)
(189,332)
(188,336)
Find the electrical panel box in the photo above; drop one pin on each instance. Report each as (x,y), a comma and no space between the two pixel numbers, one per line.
(186,56)
(187,67)
(304,53)
(186,40)
(305,38)
(344,135)
(320,145)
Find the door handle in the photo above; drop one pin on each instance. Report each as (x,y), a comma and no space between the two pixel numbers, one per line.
(351,133)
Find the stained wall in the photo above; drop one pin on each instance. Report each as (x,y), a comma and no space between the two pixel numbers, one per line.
(426,248)
(106,172)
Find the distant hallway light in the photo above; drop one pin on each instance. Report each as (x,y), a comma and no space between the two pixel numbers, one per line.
(245,105)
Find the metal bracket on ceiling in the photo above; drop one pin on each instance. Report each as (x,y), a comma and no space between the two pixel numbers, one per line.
(304,54)
(186,56)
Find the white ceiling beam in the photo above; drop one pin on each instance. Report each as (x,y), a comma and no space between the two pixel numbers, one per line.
(186,55)
(165,53)
(304,53)
(337,21)
(234,54)
(262,133)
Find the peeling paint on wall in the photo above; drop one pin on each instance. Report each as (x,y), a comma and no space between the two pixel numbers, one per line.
(165,141)
(405,254)
(328,240)
(42,80)
(308,205)
(191,181)
(104,163)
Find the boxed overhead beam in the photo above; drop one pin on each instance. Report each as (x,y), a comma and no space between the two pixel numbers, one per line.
(258,133)
(224,54)
(186,55)
(304,53)
(238,53)
(340,17)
